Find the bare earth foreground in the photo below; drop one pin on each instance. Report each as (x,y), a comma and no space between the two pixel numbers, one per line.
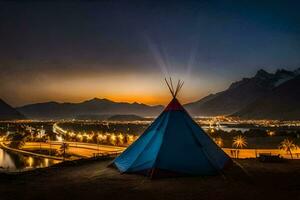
(93,180)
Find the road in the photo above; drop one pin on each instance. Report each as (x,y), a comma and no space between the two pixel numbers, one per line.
(253,153)
(88,150)
(84,150)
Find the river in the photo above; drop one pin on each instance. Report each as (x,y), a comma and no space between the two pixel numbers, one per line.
(17,162)
(226,128)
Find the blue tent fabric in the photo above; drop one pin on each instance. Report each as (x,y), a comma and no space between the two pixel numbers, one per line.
(174,142)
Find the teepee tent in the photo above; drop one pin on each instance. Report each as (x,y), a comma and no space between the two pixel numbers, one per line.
(174,144)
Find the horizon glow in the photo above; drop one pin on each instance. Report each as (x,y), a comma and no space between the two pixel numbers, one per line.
(74,51)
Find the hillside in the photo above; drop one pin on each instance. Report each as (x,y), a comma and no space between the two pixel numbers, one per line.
(9,113)
(281,103)
(55,110)
(240,93)
(126,118)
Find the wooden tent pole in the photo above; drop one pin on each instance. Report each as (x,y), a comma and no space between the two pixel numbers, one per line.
(169,87)
(178,83)
(171,82)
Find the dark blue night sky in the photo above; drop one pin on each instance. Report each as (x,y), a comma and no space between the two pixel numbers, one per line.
(71,51)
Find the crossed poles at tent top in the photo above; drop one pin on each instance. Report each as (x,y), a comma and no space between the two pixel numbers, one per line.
(171,88)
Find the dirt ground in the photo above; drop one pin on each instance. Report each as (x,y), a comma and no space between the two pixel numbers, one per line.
(93,180)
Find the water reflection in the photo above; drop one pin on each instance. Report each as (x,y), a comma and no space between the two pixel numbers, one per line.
(5,160)
(18,162)
(226,128)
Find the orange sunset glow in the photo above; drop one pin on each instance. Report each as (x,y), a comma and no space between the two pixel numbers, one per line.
(125,87)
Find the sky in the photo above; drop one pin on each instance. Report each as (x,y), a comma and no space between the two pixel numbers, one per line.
(122,50)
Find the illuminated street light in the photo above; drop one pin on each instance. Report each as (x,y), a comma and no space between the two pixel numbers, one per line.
(239,142)
(271,133)
(219,141)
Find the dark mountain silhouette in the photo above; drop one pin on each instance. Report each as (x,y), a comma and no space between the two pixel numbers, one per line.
(92,117)
(126,118)
(54,110)
(240,93)
(240,97)
(9,113)
(283,102)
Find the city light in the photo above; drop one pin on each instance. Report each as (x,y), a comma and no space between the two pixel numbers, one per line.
(239,142)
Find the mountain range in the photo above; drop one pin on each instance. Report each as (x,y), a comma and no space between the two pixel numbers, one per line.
(282,103)
(244,93)
(263,96)
(55,110)
(9,113)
